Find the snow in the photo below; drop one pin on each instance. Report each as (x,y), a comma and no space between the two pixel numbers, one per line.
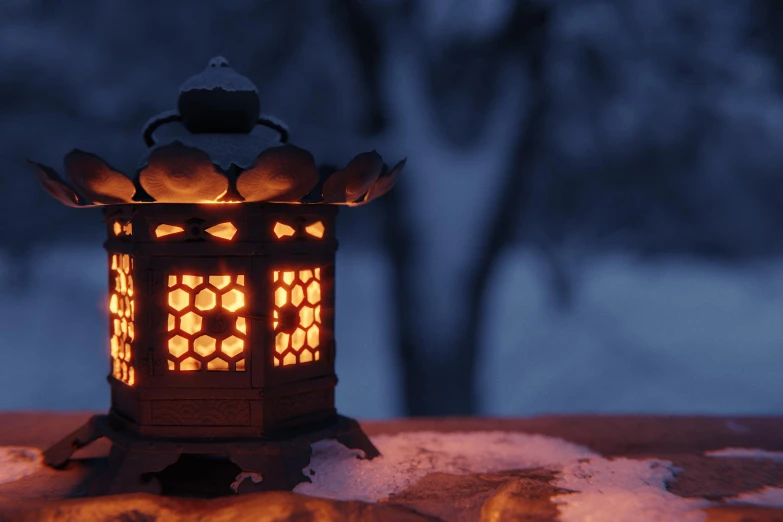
(408,457)
(219,75)
(765,497)
(18,462)
(747,453)
(623,490)
(671,336)
(601,489)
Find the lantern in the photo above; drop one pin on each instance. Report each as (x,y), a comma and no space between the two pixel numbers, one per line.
(221,253)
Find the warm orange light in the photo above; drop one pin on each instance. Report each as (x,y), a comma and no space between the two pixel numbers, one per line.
(282,230)
(220,282)
(190,310)
(205,345)
(163,230)
(206,299)
(223,231)
(190,364)
(121,308)
(232,346)
(281,342)
(192,281)
(217,365)
(233,300)
(127,229)
(117,228)
(316,229)
(300,290)
(190,323)
(178,346)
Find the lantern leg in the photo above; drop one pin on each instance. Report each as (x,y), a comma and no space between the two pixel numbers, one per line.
(353,437)
(57,455)
(279,471)
(127,468)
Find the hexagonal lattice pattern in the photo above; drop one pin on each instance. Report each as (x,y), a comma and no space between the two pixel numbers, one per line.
(199,309)
(298,297)
(121,318)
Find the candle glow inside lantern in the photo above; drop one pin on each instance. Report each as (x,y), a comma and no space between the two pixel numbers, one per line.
(221,256)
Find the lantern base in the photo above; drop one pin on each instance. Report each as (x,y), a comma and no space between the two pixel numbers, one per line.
(134,460)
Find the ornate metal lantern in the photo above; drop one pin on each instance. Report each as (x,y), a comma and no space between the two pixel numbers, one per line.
(221,256)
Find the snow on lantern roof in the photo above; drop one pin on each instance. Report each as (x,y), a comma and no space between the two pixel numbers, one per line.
(212,156)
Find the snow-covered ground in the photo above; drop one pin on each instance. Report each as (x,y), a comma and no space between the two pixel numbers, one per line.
(672,337)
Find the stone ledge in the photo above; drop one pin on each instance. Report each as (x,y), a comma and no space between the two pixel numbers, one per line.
(520,494)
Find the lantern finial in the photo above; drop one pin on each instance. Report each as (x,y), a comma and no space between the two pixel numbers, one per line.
(218,100)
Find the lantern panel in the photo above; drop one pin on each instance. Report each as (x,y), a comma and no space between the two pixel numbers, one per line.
(121,320)
(223,231)
(297,295)
(178,346)
(282,230)
(164,230)
(192,281)
(241,325)
(218,365)
(220,282)
(300,292)
(190,323)
(190,364)
(317,229)
(206,300)
(179,299)
(233,300)
(232,346)
(205,345)
(196,298)
(306,316)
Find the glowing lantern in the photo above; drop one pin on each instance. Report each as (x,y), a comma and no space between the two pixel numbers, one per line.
(221,316)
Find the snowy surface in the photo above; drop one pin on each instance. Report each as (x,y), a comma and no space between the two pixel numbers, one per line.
(747,453)
(669,337)
(408,457)
(16,463)
(600,489)
(764,497)
(623,490)
(673,336)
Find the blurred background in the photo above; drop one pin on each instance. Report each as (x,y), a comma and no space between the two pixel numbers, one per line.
(590,220)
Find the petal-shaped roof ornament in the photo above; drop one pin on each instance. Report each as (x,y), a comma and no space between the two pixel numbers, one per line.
(351,183)
(96,180)
(179,174)
(385,183)
(56,187)
(217,148)
(282,174)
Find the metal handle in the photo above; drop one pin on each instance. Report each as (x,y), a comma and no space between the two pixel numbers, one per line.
(157,121)
(273,124)
(172,116)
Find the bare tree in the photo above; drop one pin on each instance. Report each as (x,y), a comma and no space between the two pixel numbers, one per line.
(446,385)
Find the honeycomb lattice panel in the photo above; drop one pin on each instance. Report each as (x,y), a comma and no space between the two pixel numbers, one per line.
(205,331)
(297,316)
(121,316)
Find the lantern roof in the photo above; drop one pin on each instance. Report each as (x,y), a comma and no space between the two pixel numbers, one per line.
(211,154)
